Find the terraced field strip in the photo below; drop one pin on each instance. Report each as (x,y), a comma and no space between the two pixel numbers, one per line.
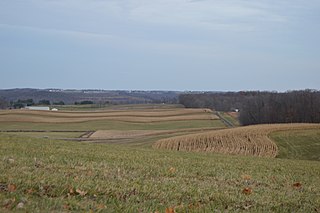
(249,140)
(111,125)
(97,107)
(120,134)
(105,113)
(156,115)
(47,134)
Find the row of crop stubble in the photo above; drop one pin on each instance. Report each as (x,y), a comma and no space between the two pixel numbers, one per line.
(249,140)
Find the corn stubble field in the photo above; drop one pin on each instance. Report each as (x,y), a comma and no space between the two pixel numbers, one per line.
(50,163)
(249,140)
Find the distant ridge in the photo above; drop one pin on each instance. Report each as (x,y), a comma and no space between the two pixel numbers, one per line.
(69,96)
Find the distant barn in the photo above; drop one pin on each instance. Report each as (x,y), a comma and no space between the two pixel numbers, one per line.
(44,108)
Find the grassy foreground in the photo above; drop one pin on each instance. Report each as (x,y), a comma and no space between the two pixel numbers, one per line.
(47,175)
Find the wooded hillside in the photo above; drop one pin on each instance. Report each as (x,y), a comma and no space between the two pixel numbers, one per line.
(262,107)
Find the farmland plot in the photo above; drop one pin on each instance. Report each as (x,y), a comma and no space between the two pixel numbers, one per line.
(155,115)
(117,125)
(44,169)
(249,140)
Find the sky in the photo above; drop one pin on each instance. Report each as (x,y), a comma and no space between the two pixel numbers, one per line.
(209,45)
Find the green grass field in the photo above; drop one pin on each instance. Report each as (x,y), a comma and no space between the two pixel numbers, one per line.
(53,135)
(49,175)
(41,173)
(304,145)
(229,118)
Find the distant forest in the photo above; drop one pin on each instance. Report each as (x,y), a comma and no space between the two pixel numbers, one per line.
(20,97)
(261,107)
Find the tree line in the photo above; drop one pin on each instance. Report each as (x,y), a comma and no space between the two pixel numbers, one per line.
(21,103)
(96,96)
(261,107)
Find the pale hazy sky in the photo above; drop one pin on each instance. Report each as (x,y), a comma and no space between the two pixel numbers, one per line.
(160,44)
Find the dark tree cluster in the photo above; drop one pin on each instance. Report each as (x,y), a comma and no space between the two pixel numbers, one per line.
(220,101)
(22,103)
(262,107)
(44,102)
(83,102)
(290,107)
(58,103)
(3,103)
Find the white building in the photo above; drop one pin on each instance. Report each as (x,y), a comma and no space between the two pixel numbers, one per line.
(43,108)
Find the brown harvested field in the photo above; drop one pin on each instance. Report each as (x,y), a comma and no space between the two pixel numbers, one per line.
(250,140)
(121,134)
(151,115)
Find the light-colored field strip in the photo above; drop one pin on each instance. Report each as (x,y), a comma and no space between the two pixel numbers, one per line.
(249,140)
(120,134)
(129,116)
(105,113)
(22,118)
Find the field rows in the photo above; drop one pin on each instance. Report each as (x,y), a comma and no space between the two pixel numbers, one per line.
(121,134)
(129,116)
(249,140)
(111,112)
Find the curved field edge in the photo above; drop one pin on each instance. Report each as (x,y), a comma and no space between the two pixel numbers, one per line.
(250,140)
(298,144)
(155,115)
(111,125)
(83,177)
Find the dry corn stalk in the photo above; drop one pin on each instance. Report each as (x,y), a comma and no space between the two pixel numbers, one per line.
(249,140)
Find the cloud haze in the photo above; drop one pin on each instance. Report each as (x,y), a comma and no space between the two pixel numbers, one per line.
(160,44)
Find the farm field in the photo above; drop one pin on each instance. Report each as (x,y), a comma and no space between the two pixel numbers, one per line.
(110,125)
(298,144)
(122,118)
(95,107)
(136,116)
(51,175)
(49,167)
(250,140)
(53,135)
